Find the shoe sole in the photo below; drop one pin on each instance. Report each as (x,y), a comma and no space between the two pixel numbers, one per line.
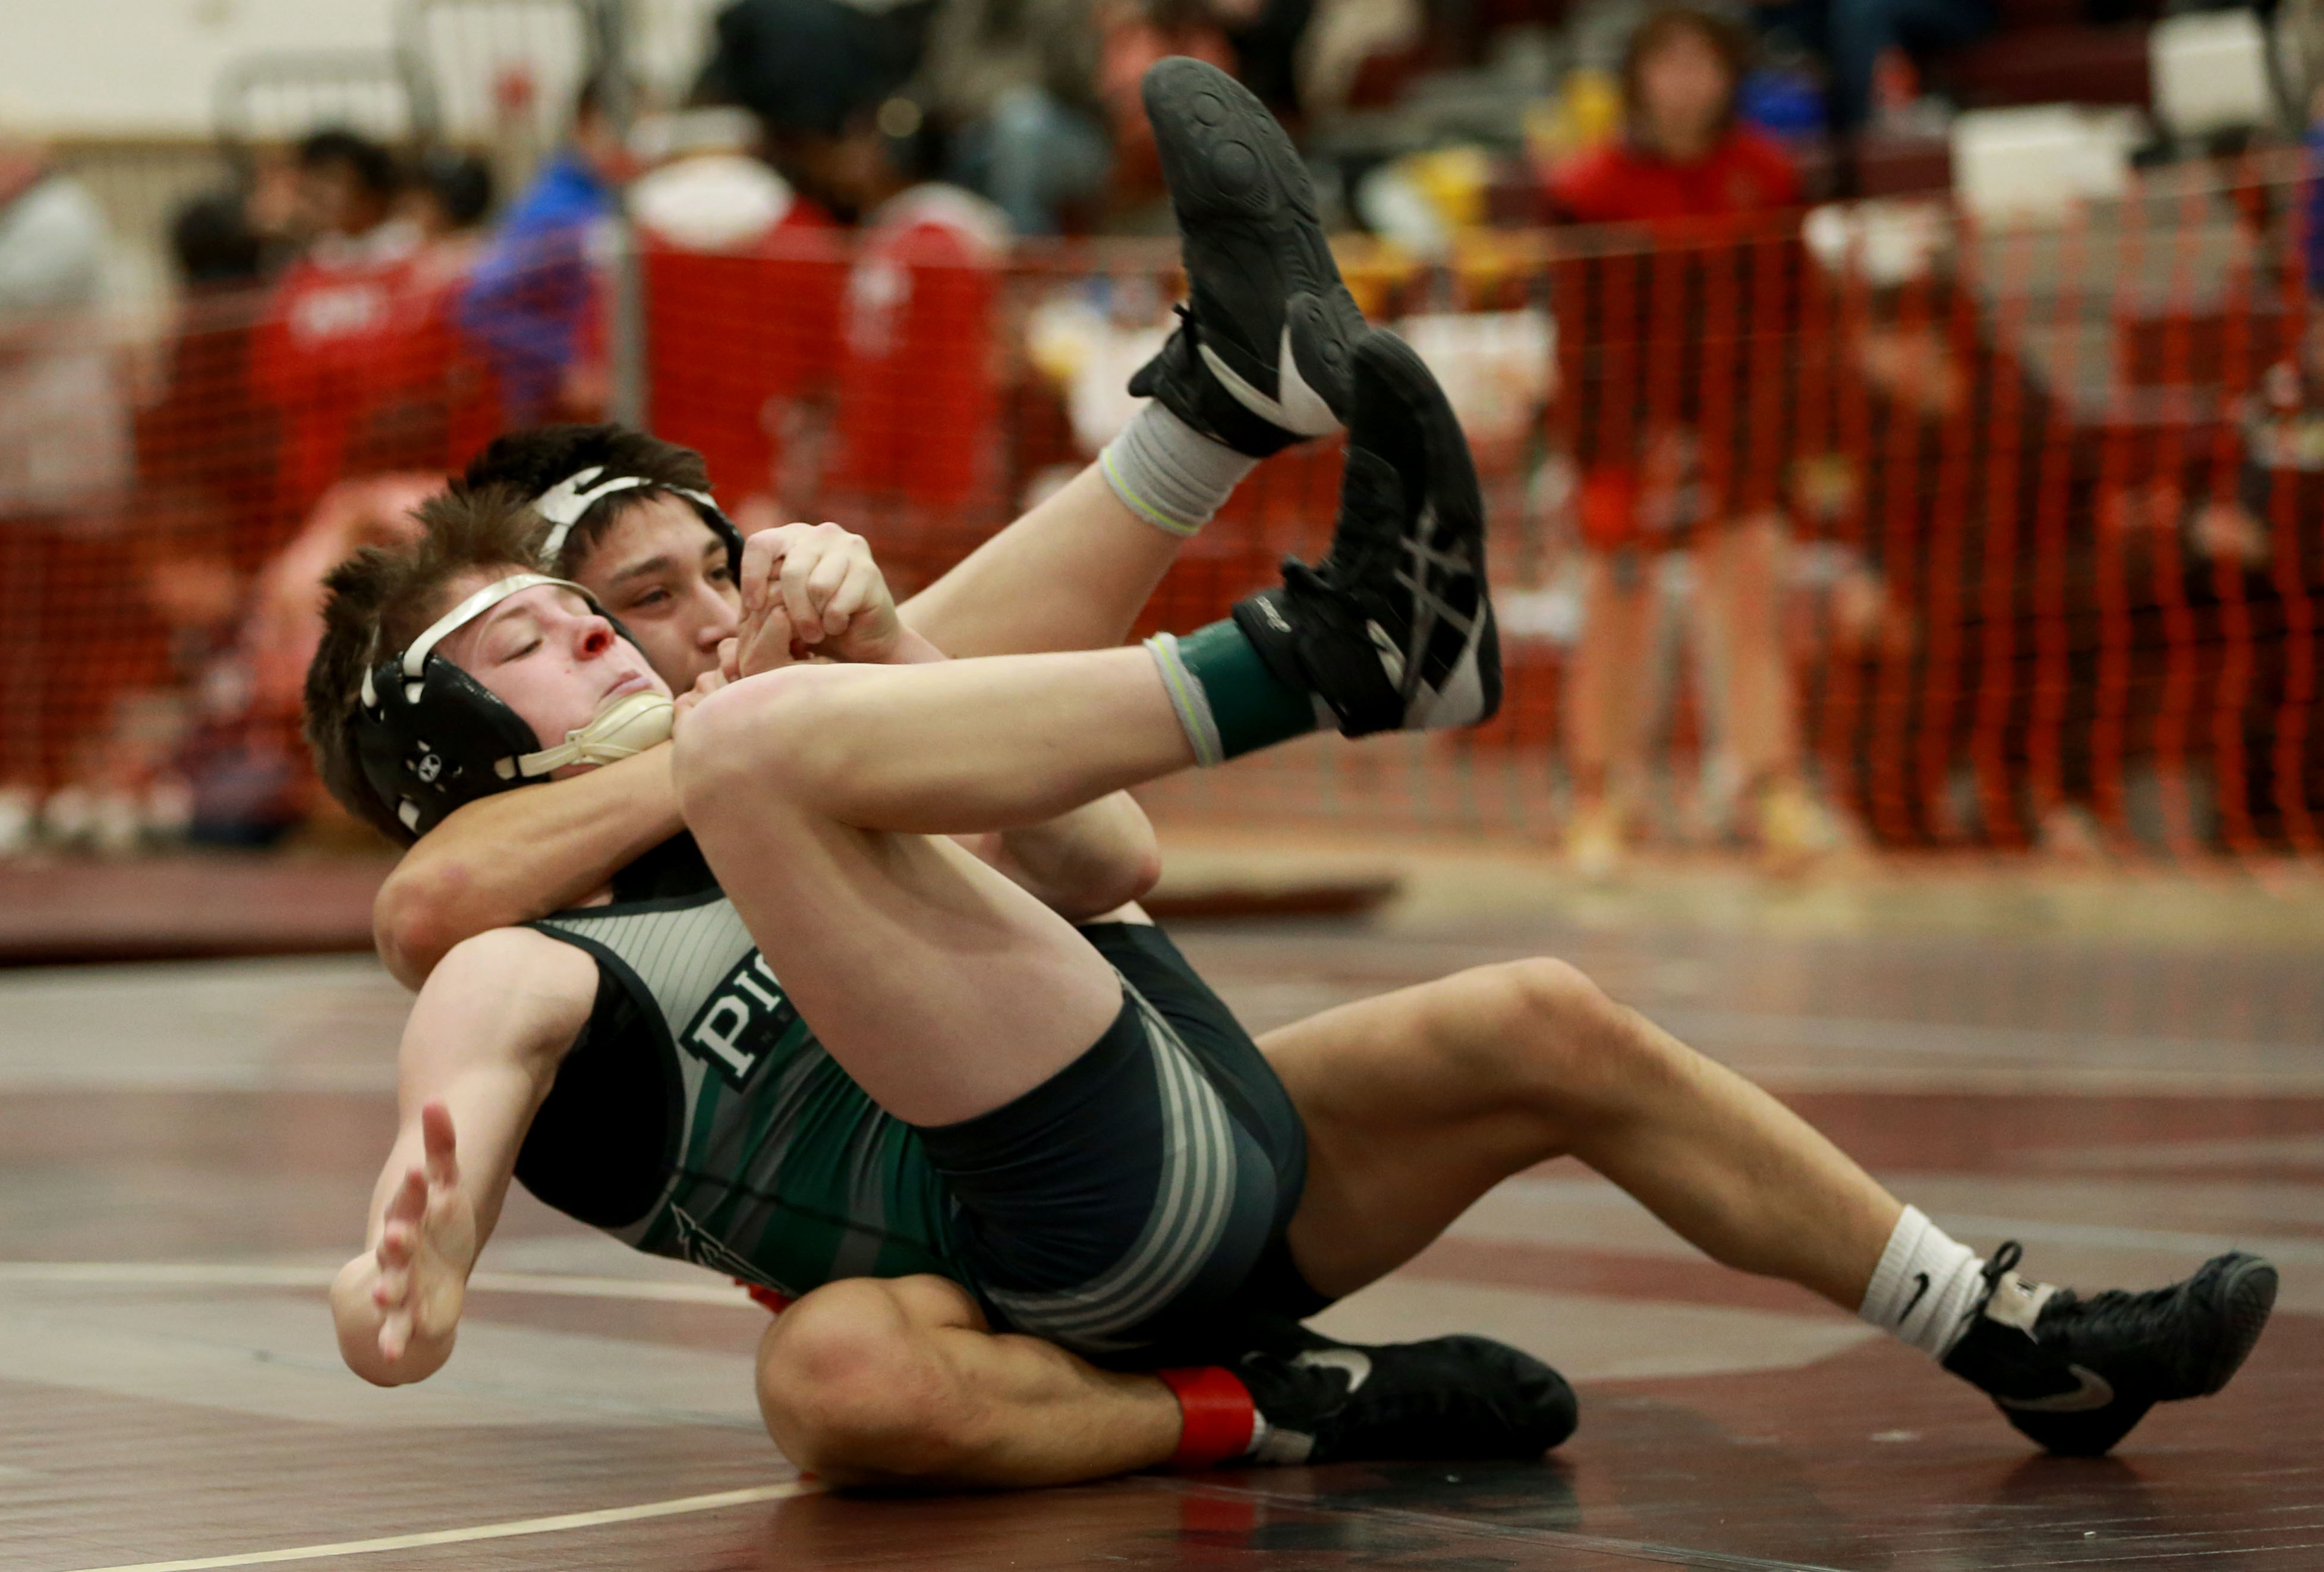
(1471,694)
(1227,163)
(2246,1298)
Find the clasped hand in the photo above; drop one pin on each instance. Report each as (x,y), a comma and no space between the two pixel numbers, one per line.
(809,591)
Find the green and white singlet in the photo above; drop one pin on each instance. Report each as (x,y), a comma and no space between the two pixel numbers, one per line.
(1133,1203)
(774,1166)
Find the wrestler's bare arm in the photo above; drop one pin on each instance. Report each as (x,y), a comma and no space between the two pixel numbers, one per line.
(508,858)
(480,1051)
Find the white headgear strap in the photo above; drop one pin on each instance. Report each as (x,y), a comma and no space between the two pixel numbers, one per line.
(564,503)
(630,724)
(415,659)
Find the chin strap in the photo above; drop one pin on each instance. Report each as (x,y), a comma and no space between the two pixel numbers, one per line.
(630,724)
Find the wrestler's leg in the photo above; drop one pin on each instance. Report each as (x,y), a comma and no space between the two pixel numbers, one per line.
(1264,300)
(870,1382)
(1419,1101)
(943,988)
(1072,573)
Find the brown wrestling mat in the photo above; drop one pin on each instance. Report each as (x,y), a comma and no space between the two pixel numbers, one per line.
(61,910)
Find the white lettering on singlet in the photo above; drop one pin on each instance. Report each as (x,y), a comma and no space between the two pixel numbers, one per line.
(745,1017)
(720,1032)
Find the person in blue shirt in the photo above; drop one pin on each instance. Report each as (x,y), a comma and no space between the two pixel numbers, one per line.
(531,305)
(2315,217)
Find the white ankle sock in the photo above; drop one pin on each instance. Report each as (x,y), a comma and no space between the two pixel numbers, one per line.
(1169,474)
(1922,1289)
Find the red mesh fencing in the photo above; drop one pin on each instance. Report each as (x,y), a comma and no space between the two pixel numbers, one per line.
(2050,499)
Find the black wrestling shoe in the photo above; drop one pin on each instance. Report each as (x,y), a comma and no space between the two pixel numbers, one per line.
(1393,630)
(1447,1398)
(2076,1374)
(1260,358)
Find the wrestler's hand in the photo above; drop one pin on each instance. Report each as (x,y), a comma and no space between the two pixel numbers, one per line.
(764,643)
(833,594)
(425,1250)
(708,683)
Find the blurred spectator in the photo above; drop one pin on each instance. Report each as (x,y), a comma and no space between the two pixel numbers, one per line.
(1867,43)
(64,439)
(453,406)
(918,382)
(345,192)
(1684,159)
(724,236)
(1682,153)
(215,757)
(1013,83)
(1273,40)
(206,447)
(340,349)
(2312,220)
(1132,35)
(214,242)
(533,304)
(243,231)
(812,67)
(2030,560)
(2279,468)
(710,190)
(448,195)
(64,455)
(1336,55)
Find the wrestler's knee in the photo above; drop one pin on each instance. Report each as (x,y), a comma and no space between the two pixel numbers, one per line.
(759,734)
(853,1387)
(1549,1033)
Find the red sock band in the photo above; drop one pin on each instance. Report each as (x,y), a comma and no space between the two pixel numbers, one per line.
(1219,1416)
(774,1303)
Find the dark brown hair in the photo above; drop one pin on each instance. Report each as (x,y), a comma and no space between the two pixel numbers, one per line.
(383,597)
(531,462)
(1728,40)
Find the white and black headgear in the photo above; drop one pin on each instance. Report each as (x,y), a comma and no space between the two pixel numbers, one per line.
(430,738)
(564,503)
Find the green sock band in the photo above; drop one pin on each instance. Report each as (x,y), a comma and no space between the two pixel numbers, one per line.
(1228,701)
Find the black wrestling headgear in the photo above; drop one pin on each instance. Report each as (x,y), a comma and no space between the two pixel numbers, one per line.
(430,738)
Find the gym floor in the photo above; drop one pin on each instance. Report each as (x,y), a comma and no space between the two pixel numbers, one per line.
(2126,1073)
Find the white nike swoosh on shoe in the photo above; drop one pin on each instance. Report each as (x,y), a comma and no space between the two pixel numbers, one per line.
(1301,411)
(2095,1392)
(1460,702)
(1353,1363)
(1391,658)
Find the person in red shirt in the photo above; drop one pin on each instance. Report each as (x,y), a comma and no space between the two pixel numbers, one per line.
(1663,475)
(345,350)
(1683,153)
